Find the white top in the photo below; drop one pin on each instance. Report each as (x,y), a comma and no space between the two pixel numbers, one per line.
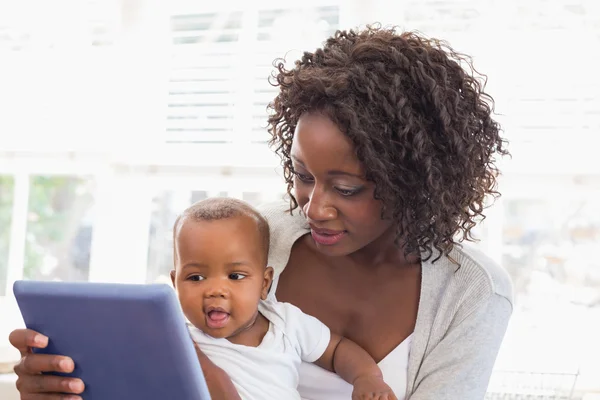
(269,371)
(464,309)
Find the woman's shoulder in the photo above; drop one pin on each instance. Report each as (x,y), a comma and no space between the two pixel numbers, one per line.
(280,218)
(285,228)
(284,225)
(479,271)
(465,284)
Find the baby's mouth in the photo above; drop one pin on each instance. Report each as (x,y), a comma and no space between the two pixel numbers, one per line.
(216,319)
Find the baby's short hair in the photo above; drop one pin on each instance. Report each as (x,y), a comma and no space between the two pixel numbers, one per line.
(216,208)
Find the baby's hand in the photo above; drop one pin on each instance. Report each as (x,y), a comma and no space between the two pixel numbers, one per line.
(372,387)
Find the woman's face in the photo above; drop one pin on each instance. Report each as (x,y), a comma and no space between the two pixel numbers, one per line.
(331,188)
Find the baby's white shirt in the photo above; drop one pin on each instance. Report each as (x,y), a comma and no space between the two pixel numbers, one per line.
(271,370)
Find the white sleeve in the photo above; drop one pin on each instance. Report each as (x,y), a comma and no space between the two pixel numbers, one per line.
(312,336)
(459,367)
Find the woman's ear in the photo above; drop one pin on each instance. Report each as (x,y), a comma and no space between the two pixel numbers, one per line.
(268,279)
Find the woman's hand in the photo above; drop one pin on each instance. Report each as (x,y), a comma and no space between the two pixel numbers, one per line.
(372,387)
(31,384)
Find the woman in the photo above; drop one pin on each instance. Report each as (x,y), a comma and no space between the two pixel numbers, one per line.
(388,148)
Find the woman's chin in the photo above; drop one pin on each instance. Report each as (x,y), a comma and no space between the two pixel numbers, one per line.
(337,250)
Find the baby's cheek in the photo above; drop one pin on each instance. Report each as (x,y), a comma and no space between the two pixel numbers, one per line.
(188,305)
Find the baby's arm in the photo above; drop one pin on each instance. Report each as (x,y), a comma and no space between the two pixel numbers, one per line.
(353,364)
(218,382)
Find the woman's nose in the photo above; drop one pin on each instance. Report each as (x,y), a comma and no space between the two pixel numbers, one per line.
(318,208)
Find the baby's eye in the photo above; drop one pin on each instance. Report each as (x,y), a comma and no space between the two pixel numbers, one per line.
(195,278)
(236,276)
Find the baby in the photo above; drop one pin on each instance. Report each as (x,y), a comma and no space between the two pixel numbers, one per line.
(222,281)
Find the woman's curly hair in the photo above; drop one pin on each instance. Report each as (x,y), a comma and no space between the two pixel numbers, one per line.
(421,125)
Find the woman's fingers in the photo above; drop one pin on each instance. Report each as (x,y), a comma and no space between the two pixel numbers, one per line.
(25,339)
(41,396)
(31,384)
(37,396)
(38,363)
(48,385)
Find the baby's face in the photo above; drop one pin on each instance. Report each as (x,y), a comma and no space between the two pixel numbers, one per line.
(220,274)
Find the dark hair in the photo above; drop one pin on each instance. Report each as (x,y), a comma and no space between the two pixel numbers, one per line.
(216,208)
(421,125)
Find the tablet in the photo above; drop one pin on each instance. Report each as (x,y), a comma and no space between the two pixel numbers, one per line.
(127,341)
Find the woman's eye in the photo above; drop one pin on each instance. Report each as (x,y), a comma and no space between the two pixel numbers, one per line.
(347,192)
(302,177)
(195,278)
(236,277)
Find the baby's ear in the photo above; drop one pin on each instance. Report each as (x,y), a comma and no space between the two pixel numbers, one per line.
(268,279)
(173,278)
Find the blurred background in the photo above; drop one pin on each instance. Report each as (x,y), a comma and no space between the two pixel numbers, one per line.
(117,114)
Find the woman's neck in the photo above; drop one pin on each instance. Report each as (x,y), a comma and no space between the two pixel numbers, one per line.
(383,251)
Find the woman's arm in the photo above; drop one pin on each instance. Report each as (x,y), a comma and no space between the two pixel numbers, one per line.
(218,382)
(460,366)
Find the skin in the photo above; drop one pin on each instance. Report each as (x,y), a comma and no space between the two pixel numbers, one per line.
(345,276)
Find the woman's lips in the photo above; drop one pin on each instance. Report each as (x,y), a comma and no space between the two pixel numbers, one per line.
(326,237)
